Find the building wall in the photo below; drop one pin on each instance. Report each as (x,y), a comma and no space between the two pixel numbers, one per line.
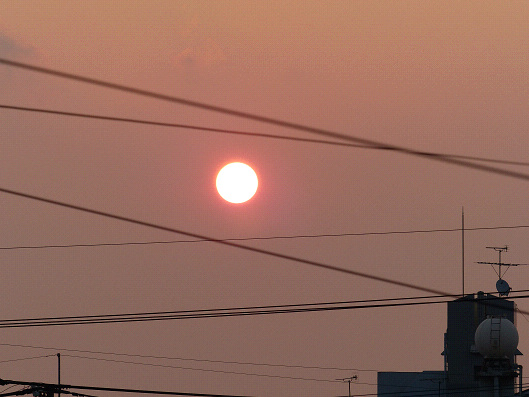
(463,360)
(410,384)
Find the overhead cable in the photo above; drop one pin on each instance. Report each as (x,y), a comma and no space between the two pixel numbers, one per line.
(195,360)
(26,358)
(264,119)
(56,387)
(204,369)
(201,314)
(289,237)
(240,133)
(223,242)
(228,243)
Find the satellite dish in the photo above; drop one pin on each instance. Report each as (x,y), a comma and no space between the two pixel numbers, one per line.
(502,287)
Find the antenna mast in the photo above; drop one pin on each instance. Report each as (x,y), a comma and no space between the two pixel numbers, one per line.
(501,285)
(463,249)
(349,380)
(499,250)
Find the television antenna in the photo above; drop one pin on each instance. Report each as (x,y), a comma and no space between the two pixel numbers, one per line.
(502,286)
(349,380)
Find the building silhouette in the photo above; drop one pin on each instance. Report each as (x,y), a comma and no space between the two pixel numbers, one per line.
(475,365)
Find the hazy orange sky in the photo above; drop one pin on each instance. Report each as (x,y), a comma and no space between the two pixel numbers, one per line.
(448,77)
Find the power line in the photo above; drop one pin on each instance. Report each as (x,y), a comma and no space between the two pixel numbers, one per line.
(25,358)
(7,388)
(52,386)
(56,387)
(209,361)
(203,369)
(201,314)
(193,127)
(222,242)
(107,319)
(240,133)
(264,119)
(298,236)
(236,309)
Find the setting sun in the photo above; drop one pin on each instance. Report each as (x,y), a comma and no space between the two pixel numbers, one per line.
(237,182)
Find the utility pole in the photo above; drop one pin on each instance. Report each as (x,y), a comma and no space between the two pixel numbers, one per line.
(349,380)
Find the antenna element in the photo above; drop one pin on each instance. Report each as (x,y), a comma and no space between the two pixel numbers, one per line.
(502,286)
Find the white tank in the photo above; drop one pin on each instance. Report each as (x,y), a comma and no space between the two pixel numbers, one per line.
(496,338)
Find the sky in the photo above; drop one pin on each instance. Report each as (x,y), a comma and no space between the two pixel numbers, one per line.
(436,76)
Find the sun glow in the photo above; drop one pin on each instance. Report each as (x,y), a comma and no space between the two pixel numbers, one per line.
(237,182)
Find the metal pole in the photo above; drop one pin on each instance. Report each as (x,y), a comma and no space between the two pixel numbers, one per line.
(59,373)
(349,380)
(463,247)
(520,380)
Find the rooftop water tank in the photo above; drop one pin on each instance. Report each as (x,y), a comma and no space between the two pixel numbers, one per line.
(496,337)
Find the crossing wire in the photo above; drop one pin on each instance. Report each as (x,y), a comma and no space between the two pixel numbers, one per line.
(235,132)
(290,237)
(194,360)
(264,119)
(226,372)
(57,388)
(226,243)
(223,242)
(213,313)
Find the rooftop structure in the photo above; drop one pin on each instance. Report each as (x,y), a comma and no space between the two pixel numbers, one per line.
(480,349)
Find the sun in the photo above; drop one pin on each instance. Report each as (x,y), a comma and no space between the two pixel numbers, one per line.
(237,182)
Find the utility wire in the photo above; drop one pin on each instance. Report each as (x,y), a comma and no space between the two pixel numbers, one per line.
(264,119)
(203,369)
(257,118)
(209,361)
(418,389)
(26,358)
(55,387)
(7,388)
(523,314)
(298,236)
(52,386)
(258,308)
(239,362)
(240,133)
(223,242)
(128,318)
(227,243)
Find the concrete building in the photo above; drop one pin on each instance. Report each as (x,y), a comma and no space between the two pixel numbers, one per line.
(411,384)
(476,364)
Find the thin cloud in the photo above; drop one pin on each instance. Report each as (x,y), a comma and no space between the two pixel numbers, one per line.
(10,48)
(205,56)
